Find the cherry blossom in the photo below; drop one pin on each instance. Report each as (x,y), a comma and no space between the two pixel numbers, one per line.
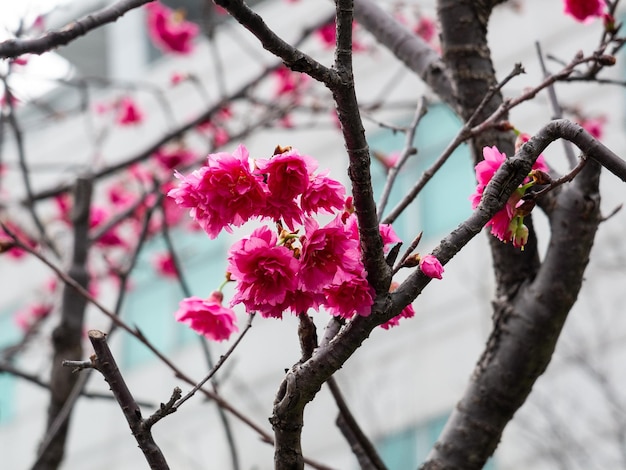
(506,224)
(127,112)
(223,193)
(407,312)
(171,158)
(287,174)
(165,265)
(426,28)
(594,125)
(168,29)
(352,297)
(431,266)
(322,194)
(329,255)
(584,10)
(265,273)
(7,245)
(31,315)
(208,316)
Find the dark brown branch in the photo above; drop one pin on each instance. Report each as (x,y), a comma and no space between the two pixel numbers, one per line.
(105,363)
(303,380)
(15,47)
(67,336)
(219,363)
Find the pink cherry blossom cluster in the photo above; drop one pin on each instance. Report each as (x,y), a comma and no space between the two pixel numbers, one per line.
(279,270)
(508,223)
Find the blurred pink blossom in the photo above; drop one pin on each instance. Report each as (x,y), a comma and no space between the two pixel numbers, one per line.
(584,10)
(127,112)
(168,29)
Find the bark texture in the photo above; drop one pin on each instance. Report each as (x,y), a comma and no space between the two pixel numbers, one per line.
(533,297)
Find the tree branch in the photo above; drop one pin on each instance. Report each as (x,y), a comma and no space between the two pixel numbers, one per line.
(67,336)
(105,363)
(408,48)
(12,48)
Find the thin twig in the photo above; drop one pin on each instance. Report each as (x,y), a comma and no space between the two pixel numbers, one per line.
(557,111)
(408,150)
(219,364)
(361,445)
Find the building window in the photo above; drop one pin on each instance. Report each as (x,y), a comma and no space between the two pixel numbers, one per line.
(410,447)
(153,299)
(444,202)
(9,335)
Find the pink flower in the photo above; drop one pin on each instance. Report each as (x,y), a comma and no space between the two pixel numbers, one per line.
(208,317)
(327,34)
(288,82)
(594,125)
(32,315)
(485,169)
(128,113)
(431,266)
(7,243)
(99,216)
(502,222)
(387,232)
(323,194)
(171,158)
(119,195)
(540,163)
(265,273)
(389,236)
(426,28)
(165,266)
(407,312)
(329,255)
(178,77)
(222,193)
(583,10)
(352,297)
(287,174)
(169,31)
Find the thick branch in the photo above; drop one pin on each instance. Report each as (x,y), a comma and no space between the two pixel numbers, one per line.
(304,380)
(409,48)
(67,336)
(525,334)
